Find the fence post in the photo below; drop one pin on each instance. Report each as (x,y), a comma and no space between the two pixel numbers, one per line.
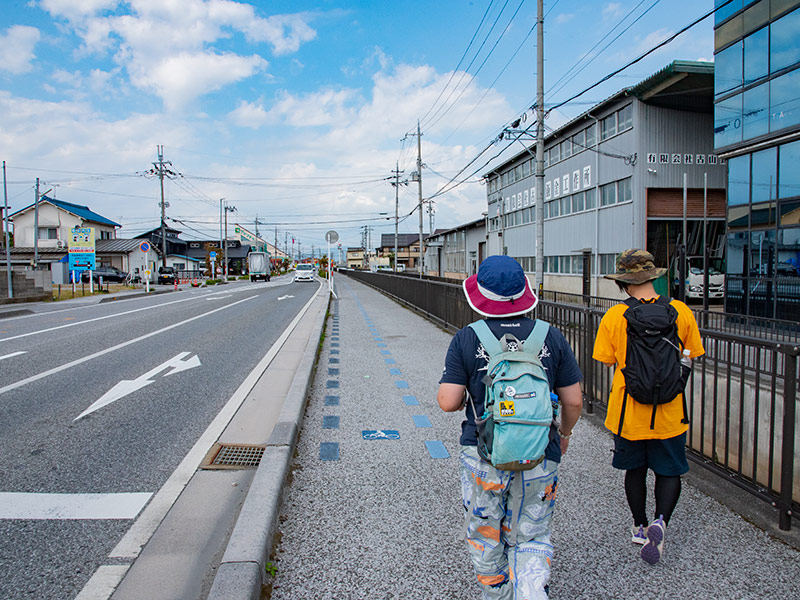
(787,451)
(588,344)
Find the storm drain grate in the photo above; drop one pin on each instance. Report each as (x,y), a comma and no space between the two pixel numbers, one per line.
(234,456)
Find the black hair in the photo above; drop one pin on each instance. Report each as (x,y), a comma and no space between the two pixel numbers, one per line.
(623,287)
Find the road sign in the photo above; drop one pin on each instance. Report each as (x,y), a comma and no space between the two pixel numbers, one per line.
(144,246)
(81,249)
(331,237)
(212,255)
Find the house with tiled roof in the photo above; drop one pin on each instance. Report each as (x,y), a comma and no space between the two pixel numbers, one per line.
(54,221)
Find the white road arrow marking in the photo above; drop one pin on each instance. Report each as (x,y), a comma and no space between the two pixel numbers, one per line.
(285,297)
(176,364)
(13,354)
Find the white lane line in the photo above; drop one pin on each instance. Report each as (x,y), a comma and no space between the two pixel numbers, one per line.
(13,354)
(144,526)
(79,361)
(127,312)
(21,505)
(103,583)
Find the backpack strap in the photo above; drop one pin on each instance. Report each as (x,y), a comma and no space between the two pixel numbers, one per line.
(485,336)
(534,343)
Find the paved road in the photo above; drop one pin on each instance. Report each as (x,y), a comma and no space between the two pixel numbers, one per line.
(382,518)
(195,347)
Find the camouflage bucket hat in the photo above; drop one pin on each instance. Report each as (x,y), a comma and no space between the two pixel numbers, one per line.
(635,266)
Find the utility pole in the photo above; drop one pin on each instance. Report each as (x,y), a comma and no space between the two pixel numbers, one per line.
(419,179)
(5,233)
(276,240)
(36,227)
(221,200)
(159,170)
(431,211)
(258,246)
(227,210)
(540,145)
(396,185)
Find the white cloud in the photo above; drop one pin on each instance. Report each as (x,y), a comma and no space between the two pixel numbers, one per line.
(168,47)
(564,18)
(250,115)
(612,10)
(16,48)
(180,78)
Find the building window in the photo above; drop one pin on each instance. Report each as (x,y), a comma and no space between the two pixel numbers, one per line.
(784,50)
(566,148)
(578,202)
(625,118)
(590,199)
(526,168)
(756,55)
(578,142)
(590,136)
(755,112)
(788,173)
(608,194)
(48,233)
(728,69)
(764,175)
(608,127)
(608,263)
(785,101)
(739,180)
(728,121)
(624,190)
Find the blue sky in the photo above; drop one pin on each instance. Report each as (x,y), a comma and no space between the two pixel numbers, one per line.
(294,112)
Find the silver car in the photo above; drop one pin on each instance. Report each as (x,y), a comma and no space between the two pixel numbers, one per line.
(304,272)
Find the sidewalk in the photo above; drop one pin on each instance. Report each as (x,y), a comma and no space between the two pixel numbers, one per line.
(382,518)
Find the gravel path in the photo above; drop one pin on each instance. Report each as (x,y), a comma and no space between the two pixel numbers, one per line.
(382,518)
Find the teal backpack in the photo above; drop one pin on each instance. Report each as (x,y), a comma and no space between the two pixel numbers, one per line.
(519,408)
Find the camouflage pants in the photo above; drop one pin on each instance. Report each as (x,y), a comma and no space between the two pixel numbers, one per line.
(508,526)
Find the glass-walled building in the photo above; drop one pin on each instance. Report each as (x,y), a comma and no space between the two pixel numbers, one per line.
(757,129)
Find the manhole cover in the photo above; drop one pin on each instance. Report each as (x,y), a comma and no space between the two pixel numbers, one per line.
(233,456)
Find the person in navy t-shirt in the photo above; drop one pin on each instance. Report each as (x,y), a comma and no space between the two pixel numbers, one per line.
(501,503)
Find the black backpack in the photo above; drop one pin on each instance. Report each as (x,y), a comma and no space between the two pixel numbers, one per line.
(653,370)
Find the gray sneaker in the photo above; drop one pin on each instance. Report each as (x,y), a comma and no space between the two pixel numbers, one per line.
(651,552)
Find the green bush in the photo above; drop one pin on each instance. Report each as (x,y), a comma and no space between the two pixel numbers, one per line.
(212,281)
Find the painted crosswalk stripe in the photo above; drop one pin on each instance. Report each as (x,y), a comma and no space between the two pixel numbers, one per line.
(13,354)
(21,505)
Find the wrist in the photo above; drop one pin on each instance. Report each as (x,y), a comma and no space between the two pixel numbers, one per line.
(563,435)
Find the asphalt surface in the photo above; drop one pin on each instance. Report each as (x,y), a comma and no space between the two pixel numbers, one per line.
(133,444)
(382,518)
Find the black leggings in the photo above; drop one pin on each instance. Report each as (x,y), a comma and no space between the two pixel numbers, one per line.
(667,492)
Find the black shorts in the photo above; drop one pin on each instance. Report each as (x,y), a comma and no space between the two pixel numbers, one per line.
(664,457)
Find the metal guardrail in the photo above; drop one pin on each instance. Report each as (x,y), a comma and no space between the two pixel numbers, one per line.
(741,396)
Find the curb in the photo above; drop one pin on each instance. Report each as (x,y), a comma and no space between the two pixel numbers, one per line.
(241,573)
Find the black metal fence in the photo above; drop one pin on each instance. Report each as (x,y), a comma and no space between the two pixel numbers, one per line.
(741,396)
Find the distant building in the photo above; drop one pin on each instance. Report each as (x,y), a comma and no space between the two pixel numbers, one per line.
(456,253)
(55,220)
(407,248)
(256,243)
(614,179)
(757,129)
(355,258)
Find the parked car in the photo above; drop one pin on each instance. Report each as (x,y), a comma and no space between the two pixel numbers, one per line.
(166,275)
(304,272)
(109,274)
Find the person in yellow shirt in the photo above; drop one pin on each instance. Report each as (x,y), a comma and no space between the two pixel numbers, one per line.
(644,439)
